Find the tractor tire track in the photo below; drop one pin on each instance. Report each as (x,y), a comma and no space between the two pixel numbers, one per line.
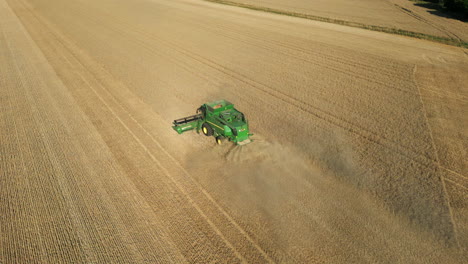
(422,19)
(367,134)
(125,188)
(219,208)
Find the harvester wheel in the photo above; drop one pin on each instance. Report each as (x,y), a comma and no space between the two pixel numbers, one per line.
(207,130)
(219,140)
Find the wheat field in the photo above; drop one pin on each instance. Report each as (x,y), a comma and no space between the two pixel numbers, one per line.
(359,152)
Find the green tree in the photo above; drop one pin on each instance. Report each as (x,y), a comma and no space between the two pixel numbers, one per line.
(458,6)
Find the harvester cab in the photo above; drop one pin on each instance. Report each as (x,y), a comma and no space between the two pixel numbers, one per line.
(219,119)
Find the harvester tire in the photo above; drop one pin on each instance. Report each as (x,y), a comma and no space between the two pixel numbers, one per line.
(207,130)
(219,140)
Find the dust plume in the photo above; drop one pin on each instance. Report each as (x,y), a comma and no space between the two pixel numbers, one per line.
(305,211)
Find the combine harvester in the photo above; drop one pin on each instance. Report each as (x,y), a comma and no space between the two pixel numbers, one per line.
(219,119)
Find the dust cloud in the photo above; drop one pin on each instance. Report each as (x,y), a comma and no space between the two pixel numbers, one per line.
(306,212)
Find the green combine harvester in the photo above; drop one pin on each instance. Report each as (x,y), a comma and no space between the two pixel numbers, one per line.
(219,119)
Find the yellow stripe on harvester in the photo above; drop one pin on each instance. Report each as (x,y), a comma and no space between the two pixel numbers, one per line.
(215,125)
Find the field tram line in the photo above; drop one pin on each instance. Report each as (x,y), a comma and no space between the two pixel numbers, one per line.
(149,36)
(154,52)
(171,45)
(383,161)
(292,47)
(456,179)
(199,187)
(173,159)
(421,98)
(246,231)
(144,45)
(11,162)
(253,36)
(178,62)
(151,50)
(314,53)
(339,59)
(8,251)
(69,197)
(446,95)
(437,162)
(454,173)
(169,175)
(190,69)
(220,67)
(323,65)
(19,221)
(462,187)
(120,217)
(39,194)
(422,19)
(305,110)
(178,164)
(292,101)
(35,116)
(347,73)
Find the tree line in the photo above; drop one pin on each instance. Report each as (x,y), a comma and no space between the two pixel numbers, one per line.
(456,6)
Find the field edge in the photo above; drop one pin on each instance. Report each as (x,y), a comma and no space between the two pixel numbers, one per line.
(395,31)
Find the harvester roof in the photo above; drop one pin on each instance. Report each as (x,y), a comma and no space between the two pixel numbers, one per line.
(220,106)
